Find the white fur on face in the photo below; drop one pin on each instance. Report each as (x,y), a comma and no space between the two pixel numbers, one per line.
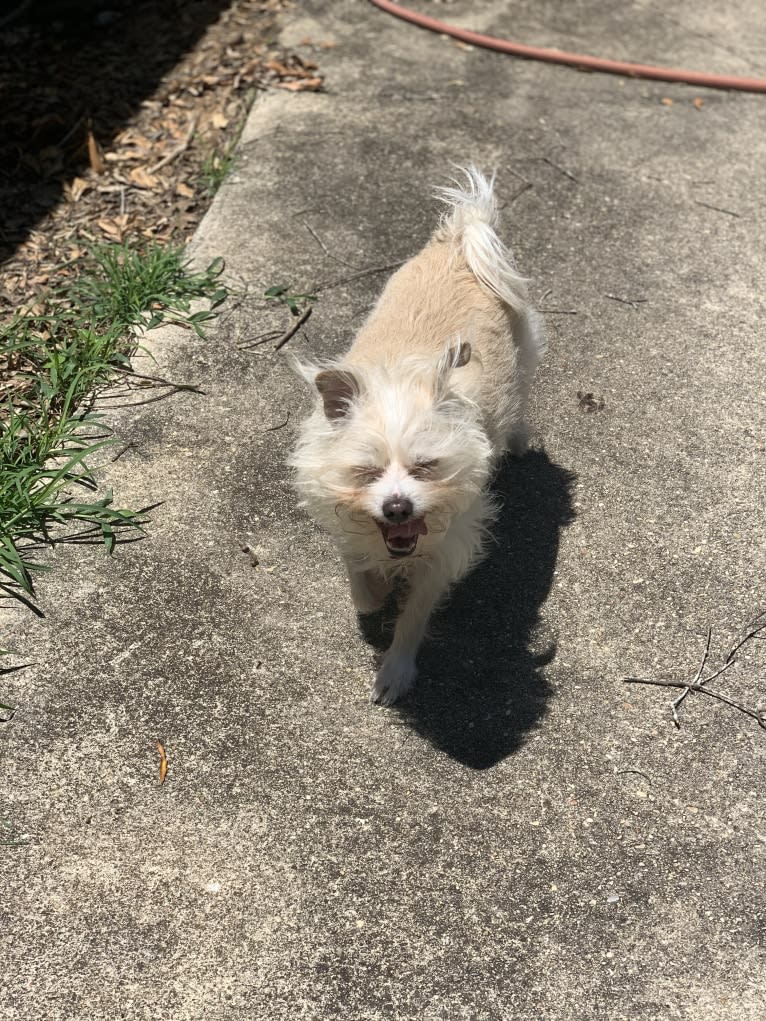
(402,435)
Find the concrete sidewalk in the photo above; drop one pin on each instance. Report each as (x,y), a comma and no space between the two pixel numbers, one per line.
(530,838)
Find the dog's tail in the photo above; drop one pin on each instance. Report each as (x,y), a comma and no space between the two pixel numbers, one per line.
(470,225)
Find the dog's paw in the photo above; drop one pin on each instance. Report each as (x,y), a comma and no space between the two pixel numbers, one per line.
(395,679)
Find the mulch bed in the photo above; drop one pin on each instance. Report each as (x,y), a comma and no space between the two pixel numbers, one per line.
(112,115)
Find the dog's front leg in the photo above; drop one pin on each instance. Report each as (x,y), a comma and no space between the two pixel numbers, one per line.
(397,671)
(368,589)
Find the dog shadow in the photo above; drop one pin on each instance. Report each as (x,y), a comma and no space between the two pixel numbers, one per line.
(480,685)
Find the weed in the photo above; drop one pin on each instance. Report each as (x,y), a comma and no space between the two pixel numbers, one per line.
(282,294)
(217,166)
(56,359)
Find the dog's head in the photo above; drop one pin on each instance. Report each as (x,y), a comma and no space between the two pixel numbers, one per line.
(392,454)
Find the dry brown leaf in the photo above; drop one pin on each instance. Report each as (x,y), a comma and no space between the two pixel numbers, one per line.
(95,155)
(302,85)
(114,228)
(666,101)
(218,120)
(163,761)
(185,190)
(109,227)
(76,188)
(143,179)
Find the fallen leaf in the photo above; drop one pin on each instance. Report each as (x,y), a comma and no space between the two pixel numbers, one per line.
(163,762)
(303,70)
(109,227)
(144,179)
(185,190)
(302,85)
(666,101)
(76,189)
(589,403)
(218,120)
(114,228)
(95,155)
(698,103)
(328,44)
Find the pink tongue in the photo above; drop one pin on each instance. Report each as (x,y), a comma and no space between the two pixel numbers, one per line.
(416,526)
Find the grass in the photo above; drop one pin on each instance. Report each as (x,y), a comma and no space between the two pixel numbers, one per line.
(57,357)
(217,166)
(281,294)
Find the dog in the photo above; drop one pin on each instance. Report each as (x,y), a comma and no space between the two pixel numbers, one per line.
(411,422)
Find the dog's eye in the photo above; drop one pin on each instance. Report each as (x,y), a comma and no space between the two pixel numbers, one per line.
(422,469)
(367,474)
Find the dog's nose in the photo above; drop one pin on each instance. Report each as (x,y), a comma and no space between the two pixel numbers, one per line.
(397,510)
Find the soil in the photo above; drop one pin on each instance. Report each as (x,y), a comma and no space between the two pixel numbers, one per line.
(120,118)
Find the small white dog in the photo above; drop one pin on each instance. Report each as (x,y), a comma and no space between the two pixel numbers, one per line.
(412,420)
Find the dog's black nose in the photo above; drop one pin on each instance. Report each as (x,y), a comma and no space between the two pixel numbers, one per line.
(397,510)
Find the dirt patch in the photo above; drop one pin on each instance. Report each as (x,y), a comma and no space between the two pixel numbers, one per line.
(121,120)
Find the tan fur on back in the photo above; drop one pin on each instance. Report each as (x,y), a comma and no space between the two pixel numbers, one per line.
(433,301)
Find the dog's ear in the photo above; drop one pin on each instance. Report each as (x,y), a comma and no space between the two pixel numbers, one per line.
(455,357)
(337,388)
(459,355)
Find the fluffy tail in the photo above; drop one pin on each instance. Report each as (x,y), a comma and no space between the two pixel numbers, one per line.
(470,223)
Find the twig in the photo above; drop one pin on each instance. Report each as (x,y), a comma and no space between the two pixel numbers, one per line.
(754,632)
(325,249)
(182,147)
(703,691)
(160,381)
(273,428)
(288,334)
(700,682)
(558,311)
(359,275)
(717,209)
(626,301)
(677,702)
(124,450)
(638,772)
(517,195)
(261,338)
(549,161)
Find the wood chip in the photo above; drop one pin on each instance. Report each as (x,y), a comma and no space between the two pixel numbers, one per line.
(163,762)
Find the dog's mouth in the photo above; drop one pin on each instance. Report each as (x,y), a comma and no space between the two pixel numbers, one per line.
(401,540)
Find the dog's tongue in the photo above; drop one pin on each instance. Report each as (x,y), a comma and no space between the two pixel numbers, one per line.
(416,526)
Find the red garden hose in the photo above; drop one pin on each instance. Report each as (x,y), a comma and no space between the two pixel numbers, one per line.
(580,61)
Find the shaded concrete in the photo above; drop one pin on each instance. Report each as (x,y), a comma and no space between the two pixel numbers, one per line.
(529,838)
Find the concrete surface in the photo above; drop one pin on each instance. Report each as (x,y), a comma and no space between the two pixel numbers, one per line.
(529,838)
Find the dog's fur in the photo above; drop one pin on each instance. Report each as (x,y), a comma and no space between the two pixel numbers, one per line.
(416,415)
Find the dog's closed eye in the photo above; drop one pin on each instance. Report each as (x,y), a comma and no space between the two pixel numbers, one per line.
(367,474)
(423,469)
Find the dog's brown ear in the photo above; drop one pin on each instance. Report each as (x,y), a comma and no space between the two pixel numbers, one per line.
(338,388)
(454,357)
(459,355)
